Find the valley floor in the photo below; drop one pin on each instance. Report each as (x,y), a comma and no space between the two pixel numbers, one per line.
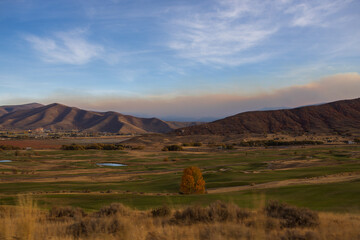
(300,175)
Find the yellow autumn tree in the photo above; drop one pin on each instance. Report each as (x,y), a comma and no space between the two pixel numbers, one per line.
(192,181)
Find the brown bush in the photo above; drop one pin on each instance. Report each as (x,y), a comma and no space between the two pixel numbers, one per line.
(139,147)
(220,211)
(192,214)
(90,226)
(113,209)
(242,214)
(271,224)
(172,148)
(192,144)
(298,235)
(217,211)
(163,211)
(217,221)
(64,212)
(292,216)
(9,147)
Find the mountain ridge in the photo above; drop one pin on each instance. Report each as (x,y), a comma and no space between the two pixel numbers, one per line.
(12,108)
(57,116)
(338,116)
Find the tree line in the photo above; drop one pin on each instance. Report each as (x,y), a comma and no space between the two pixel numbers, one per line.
(100,146)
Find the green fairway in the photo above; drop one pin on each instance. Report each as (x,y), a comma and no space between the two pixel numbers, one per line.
(73,178)
(339,197)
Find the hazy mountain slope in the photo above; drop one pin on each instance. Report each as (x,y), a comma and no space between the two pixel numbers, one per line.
(13,108)
(340,116)
(176,124)
(60,117)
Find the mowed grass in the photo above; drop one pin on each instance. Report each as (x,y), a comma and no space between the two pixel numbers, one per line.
(334,197)
(240,167)
(169,183)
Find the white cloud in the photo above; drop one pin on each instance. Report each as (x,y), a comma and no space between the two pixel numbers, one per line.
(220,36)
(233,32)
(315,13)
(66,47)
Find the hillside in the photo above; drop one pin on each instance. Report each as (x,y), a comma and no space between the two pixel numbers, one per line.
(335,117)
(60,117)
(13,108)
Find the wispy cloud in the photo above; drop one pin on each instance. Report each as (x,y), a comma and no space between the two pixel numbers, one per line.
(315,13)
(220,36)
(66,47)
(234,32)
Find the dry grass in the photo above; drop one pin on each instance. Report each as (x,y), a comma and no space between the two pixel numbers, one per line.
(214,222)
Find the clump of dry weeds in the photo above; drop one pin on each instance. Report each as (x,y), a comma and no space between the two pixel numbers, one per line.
(291,216)
(219,220)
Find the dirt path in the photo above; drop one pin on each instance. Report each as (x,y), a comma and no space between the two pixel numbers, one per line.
(343,177)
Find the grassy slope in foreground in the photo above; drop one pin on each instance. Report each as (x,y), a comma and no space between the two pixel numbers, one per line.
(338,197)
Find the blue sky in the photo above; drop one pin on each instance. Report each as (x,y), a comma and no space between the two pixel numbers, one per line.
(179,59)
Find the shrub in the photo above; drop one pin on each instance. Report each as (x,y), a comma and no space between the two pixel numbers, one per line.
(172,148)
(8,147)
(229,146)
(61,212)
(292,216)
(192,181)
(90,226)
(192,214)
(268,143)
(72,147)
(110,147)
(97,146)
(194,144)
(217,211)
(113,209)
(139,147)
(220,211)
(163,211)
(298,235)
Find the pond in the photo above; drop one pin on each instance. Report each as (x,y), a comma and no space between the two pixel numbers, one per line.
(111,164)
(3,161)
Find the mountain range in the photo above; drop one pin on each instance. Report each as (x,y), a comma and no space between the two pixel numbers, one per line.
(335,117)
(60,117)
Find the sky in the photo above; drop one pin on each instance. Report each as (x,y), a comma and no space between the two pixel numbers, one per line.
(179,60)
